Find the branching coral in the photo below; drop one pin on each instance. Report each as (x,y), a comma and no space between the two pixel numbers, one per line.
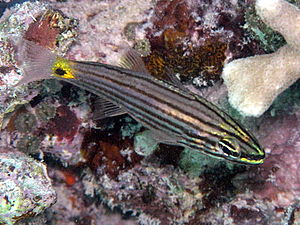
(253,83)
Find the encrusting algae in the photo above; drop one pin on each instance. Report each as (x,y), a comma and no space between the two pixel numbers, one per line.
(173,114)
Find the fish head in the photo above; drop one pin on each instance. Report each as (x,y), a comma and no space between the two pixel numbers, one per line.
(62,68)
(237,145)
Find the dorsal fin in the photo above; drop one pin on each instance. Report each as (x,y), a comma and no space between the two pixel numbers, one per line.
(132,60)
(105,109)
(174,80)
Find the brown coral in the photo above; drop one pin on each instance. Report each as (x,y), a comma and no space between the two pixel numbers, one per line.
(206,60)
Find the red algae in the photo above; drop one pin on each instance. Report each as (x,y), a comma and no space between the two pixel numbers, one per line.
(173,16)
(44,30)
(64,125)
(181,44)
(69,177)
(108,154)
(52,29)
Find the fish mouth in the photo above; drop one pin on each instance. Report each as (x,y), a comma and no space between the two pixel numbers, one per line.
(252,159)
(244,159)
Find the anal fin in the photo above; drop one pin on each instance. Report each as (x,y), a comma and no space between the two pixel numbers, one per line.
(105,109)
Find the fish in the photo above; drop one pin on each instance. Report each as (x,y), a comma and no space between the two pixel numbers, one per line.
(172,113)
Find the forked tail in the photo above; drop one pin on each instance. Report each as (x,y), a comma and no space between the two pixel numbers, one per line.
(35,61)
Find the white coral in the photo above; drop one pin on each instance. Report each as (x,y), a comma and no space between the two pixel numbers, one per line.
(254,82)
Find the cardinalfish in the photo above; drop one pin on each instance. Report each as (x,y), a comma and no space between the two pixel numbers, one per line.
(172,113)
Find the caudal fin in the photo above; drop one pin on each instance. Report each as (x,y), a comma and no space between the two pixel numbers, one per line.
(35,61)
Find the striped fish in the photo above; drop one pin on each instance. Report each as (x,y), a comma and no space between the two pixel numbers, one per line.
(175,115)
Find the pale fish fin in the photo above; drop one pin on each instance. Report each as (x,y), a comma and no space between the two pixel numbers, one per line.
(105,109)
(35,61)
(147,141)
(132,60)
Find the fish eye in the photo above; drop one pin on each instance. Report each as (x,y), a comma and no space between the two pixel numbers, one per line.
(230,147)
(60,72)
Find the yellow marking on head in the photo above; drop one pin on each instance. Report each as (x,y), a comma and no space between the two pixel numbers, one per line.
(62,68)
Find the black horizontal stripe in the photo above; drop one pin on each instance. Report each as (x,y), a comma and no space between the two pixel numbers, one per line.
(164,86)
(142,112)
(160,100)
(159,86)
(201,147)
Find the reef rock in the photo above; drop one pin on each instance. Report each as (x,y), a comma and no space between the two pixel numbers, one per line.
(254,82)
(25,188)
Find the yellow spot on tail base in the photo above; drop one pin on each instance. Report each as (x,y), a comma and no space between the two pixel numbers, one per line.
(62,68)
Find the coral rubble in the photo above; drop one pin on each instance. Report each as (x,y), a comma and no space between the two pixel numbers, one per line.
(33,21)
(108,171)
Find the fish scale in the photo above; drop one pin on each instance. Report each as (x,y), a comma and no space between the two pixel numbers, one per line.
(172,113)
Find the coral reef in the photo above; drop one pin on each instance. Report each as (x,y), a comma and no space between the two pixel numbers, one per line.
(12,25)
(34,21)
(280,169)
(52,29)
(99,22)
(26,189)
(266,76)
(105,171)
(145,188)
(108,154)
(193,39)
(79,201)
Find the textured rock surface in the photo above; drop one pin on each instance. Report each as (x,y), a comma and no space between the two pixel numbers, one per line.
(97,175)
(26,189)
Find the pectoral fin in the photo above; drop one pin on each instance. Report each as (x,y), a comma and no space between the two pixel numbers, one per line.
(147,141)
